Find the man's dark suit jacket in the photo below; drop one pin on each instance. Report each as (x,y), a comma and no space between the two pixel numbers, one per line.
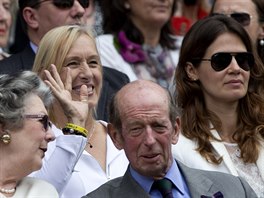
(200,183)
(113,80)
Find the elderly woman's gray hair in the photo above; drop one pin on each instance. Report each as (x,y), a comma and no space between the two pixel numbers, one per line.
(14,89)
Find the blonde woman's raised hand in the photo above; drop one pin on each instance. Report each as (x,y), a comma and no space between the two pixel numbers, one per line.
(76,111)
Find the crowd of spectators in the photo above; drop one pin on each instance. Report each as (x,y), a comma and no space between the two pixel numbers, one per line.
(78,54)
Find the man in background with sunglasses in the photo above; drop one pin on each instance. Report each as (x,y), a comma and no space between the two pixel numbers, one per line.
(249,13)
(37,18)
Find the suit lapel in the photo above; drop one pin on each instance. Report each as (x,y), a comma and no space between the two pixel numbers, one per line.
(27,58)
(260,161)
(129,188)
(197,182)
(221,150)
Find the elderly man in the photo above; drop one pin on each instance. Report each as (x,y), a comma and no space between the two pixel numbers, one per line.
(144,123)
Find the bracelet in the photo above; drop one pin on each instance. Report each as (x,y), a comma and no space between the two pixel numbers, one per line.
(72,131)
(75,129)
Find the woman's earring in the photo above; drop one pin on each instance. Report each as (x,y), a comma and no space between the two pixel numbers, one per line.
(127,5)
(261,42)
(6,138)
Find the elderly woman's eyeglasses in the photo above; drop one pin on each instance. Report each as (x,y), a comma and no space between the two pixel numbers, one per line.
(43,119)
(63,4)
(241,17)
(221,60)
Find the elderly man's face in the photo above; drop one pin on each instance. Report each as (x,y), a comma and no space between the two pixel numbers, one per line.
(147,131)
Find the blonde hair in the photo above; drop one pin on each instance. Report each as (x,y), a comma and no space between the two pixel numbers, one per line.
(54,47)
(56,44)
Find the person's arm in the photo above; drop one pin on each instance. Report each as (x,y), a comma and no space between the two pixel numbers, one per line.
(60,160)
(65,151)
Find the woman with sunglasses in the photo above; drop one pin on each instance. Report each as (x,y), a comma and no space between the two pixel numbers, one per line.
(82,157)
(219,90)
(250,14)
(24,135)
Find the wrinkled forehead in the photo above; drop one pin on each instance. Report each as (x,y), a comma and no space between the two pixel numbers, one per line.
(142,95)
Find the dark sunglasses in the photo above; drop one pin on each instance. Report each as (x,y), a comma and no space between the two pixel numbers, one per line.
(64,4)
(221,60)
(43,119)
(241,17)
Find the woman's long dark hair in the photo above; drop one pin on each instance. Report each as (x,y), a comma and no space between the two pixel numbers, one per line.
(196,118)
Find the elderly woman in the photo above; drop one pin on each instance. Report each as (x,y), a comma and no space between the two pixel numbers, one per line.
(83,155)
(138,39)
(24,135)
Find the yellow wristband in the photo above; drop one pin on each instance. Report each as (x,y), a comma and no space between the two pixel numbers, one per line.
(77,128)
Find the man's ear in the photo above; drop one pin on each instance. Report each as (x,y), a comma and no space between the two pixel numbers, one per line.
(176,132)
(116,136)
(31,17)
(191,71)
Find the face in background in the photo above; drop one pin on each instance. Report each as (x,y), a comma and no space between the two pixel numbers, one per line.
(147,132)
(48,16)
(89,14)
(228,85)
(5,21)
(85,68)
(146,13)
(241,6)
(29,143)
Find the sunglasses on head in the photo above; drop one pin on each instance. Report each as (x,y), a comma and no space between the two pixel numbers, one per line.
(241,17)
(221,60)
(64,4)
(43,119)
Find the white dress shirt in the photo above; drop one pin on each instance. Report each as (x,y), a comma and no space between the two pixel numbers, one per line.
(73,171)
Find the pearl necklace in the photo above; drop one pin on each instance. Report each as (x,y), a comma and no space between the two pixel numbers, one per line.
(89,139)
(7,191)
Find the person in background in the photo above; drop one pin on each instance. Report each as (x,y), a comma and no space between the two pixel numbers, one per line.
(24,135)
(93,16)
(219,89)
(187,13)
(138,39)
(37,18)
(76,165)
(250,14)
(146,127)
(6,11)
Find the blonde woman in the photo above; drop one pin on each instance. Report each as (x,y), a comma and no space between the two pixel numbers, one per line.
(68,59)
